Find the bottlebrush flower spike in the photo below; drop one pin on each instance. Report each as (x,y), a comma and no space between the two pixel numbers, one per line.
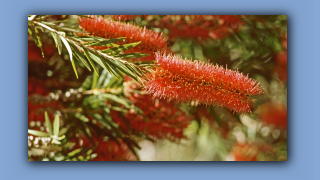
(184,80)
(199,27)
(106,28)
(126,17)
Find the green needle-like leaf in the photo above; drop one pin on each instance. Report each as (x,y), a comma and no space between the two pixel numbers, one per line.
(120,48)
(131,55)
(70,54)
(32,34)
(107,81)
(105,42)
(94,81)
(90,60)
(67,46)
(96,57)
(56,141)
(74,68)
(56,125)
(100,119)
(57,40)
(38,133)
(88,38)
(101,79)
(116,99)
(80,56)
(87,129)
(81,117)
(39,41)
(63,131)
(74,152)
(49,125)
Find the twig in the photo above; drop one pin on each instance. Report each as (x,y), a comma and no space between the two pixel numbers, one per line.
(32,18)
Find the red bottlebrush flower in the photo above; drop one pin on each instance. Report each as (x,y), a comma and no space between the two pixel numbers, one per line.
(281,67)
(274,114)
(199,27)
(245,152)
(184,80)
(150,41)
(126,17)
(161,120)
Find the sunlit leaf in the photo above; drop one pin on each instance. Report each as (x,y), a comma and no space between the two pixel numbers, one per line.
(38,133)
(59,158)
(74,68)
(107,81)
(74,152)
(57,40)
(56,125)
(49,125)
(67,46)
(63,131)
(56,141)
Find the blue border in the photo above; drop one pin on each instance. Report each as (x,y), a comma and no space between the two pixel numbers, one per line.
(303,82)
